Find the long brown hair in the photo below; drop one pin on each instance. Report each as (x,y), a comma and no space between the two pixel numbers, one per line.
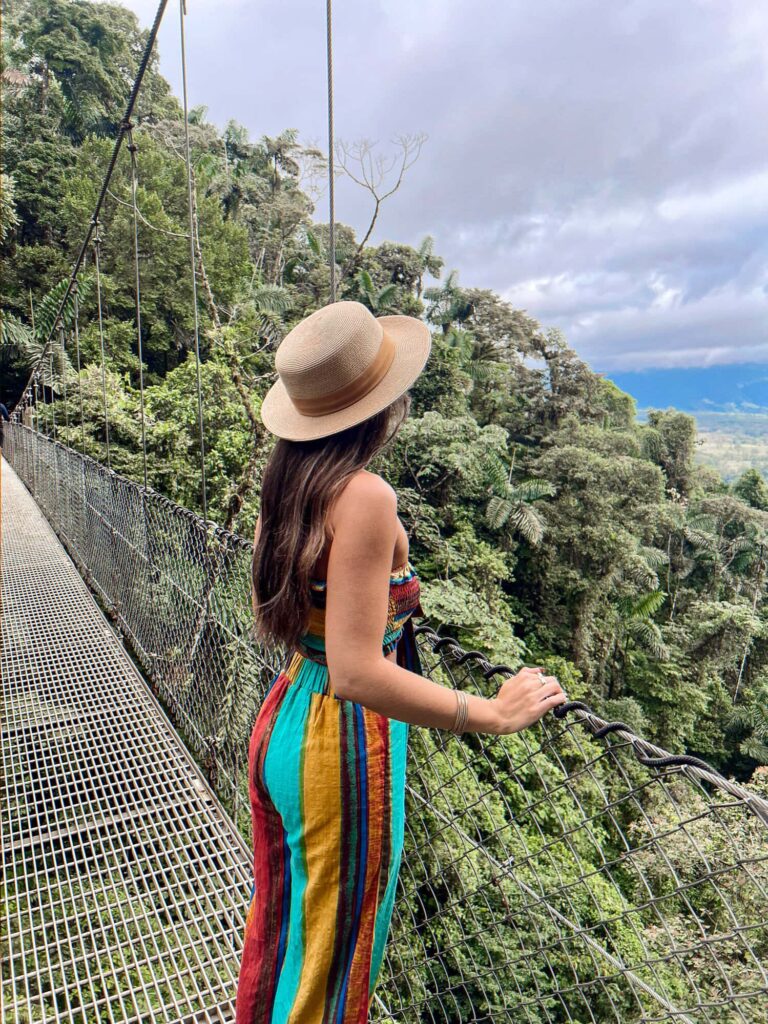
(300,483)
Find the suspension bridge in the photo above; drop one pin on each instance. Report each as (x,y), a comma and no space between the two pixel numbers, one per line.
(126,875)
(125,880)
(571,874)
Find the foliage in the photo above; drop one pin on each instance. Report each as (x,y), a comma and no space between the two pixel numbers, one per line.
(546,521)
(543,516)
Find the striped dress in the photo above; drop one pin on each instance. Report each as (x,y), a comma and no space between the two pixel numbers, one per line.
(327,790)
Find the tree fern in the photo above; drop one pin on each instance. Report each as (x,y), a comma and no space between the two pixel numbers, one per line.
(648,635)
(17,340)
(653,557)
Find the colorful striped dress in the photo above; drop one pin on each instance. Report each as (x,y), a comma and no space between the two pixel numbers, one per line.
(327,790)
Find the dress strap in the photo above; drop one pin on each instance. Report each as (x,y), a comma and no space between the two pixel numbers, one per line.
(311,653)
(408,651)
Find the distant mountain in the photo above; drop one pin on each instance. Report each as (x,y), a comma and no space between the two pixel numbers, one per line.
(730,404)
(738,388)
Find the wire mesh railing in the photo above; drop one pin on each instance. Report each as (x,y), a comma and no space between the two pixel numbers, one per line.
(125,887)
(570,873)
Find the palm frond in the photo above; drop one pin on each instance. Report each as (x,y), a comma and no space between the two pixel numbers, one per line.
(755,749)
(427,248)
(271,298)
(647,605)
(366,282)
(637,572)
(314,244)
(532,489)
(529,523)
(648,635)
(16,339)
(498,512)
(385,296)
(702,521)
(270,328)
(653,557)
(495,471)
(521,517)
(699,538)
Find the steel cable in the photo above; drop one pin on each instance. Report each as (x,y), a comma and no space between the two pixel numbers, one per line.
(191,215)
(121,132)
(331,182)
(97,266)
(76,300)
(132,149)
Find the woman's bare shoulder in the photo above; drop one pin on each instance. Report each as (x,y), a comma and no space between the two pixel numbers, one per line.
(368,492)
(367,485)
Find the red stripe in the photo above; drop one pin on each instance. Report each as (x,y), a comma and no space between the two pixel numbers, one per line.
(258,971)
(377,756)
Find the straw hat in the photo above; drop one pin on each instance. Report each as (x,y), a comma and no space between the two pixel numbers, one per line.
(339,366)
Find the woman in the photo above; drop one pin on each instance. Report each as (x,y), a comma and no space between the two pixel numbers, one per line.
(333,581)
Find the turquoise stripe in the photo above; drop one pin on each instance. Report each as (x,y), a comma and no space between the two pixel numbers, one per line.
(312,676)
(283,776)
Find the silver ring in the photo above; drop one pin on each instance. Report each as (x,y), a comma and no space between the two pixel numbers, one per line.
(540,677)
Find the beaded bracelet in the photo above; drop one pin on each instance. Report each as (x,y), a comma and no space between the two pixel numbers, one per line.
(462,713)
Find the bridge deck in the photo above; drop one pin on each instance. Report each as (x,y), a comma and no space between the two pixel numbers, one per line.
(126,886)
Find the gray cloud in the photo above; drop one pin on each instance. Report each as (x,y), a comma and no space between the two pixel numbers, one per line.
(602,165)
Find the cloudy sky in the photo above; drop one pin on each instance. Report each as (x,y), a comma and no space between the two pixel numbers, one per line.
(600,163)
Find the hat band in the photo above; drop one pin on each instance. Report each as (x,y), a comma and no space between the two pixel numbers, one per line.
(354,389)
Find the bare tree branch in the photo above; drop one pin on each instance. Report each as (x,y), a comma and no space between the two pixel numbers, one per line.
(371,171)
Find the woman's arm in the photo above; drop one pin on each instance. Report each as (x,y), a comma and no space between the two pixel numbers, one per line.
(364,520)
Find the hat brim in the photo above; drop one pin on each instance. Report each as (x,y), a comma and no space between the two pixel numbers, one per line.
(412,346)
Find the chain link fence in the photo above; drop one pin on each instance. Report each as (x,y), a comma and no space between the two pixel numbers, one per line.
(570,874)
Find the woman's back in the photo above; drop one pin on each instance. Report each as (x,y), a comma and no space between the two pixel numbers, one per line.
(404,589)
(404,601)
(356,497)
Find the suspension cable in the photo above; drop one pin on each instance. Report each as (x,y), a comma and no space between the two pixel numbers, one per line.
(132,149)
(97,265)
(62,344)
(191,215)
(121,132)
(45,407)
(53,394)
(76,299)
(331,183)
(28,389)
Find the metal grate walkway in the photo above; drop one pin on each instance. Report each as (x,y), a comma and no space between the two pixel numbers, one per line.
(125,884)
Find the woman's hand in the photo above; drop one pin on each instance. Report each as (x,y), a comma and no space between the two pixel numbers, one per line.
(525,698)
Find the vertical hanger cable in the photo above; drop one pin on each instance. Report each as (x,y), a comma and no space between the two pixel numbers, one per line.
(132,149)
(97,264)
(191,221)
(76,300)
(331,183)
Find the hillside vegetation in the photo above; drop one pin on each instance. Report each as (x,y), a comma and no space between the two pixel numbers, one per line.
(733,443)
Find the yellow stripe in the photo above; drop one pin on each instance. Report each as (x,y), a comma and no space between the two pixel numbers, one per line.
(322,841)
(294,665)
